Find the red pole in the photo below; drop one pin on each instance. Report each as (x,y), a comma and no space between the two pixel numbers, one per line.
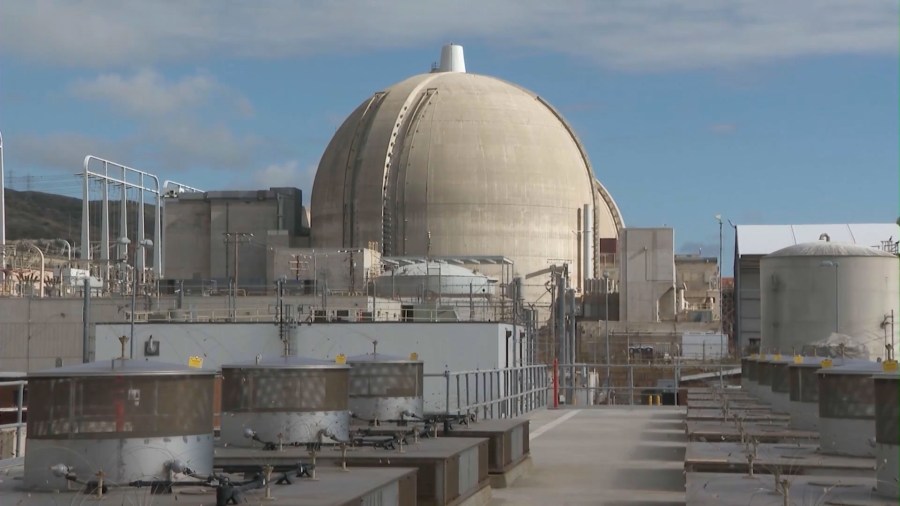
(555,383)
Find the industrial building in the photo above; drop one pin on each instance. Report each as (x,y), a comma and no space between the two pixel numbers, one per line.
(752,242)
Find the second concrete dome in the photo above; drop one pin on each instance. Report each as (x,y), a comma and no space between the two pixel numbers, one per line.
(457,164)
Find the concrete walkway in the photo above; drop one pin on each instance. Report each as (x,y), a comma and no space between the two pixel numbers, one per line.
(611,456)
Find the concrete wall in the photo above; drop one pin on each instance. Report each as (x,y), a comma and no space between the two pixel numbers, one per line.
(36,333)
(647,274)
(592,337)
(460,346)
(195,225)
(748,310)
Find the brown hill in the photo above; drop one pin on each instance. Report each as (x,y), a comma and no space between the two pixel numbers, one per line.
(38,215)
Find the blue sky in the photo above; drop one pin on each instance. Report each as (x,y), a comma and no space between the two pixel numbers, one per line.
(762,111)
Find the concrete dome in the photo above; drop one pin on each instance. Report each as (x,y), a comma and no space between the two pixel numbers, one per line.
(457,164)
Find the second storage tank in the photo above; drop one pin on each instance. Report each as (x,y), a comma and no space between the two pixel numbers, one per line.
(285,400)
(386,387)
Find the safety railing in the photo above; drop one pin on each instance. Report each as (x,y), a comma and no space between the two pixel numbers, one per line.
(632,384)
(495,393)
(19,424)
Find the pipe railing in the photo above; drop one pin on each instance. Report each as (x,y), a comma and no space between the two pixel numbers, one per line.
(495,393)
(575,386)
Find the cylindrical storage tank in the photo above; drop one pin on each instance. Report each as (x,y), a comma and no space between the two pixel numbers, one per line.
(133,420)
(431,280)
(887,439)
(779,394)
(285,400)
(804,393)
(828,293)
(764,378)
(847,408)
(385,387)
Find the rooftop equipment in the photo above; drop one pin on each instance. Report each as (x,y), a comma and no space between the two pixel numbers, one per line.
(779,395)
(847,407)
(764,378)
(285,401)
(386,388)
(752,384)
(118,421)
(804,392)
(887,427)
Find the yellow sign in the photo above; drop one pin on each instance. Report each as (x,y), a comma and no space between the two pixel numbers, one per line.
(340,359)
(414,356)
(754,356)
(195,361)
(889,365)
(826,363)
(777,357)
(798,359)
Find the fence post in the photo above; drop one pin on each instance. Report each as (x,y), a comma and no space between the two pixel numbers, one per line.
(555,383)
(21,400)
(631,385)
(447,392)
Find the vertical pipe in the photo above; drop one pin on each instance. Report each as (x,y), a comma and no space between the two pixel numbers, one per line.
(104,231)
(3,216)
(587,242)
(158,235)
(86,320)
(140,259)
(20,404)
(86,217)
(123,219)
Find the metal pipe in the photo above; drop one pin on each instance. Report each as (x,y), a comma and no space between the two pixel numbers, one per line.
(2,214)
(20,398)
(86,319)
(41,282)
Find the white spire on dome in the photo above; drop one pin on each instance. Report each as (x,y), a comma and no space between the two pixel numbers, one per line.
(452,59)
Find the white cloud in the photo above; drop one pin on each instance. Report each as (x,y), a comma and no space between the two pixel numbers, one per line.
(289,173)
(637,35)
(62,150)
(148,93)
(723,128)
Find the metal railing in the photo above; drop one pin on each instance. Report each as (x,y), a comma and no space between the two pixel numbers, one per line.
(20,407)
(495,393)
(631,384)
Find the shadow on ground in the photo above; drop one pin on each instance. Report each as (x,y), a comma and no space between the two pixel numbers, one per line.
(669,436)
(638,502)
(664,480)
(661,453)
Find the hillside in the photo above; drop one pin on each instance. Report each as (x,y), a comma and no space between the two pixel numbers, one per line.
(38,215)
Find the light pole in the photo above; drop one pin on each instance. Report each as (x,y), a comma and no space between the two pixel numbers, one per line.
(606,317)
(145,243)
(837,320)
(721,305)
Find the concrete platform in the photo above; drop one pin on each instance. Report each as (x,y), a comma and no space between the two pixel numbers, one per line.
(713,489)
(784,458)
(747,404)
(710,431)
(451,471)
(745,415)
(332,487)
(605,455)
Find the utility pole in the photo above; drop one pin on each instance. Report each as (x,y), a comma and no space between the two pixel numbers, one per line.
(236,238)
